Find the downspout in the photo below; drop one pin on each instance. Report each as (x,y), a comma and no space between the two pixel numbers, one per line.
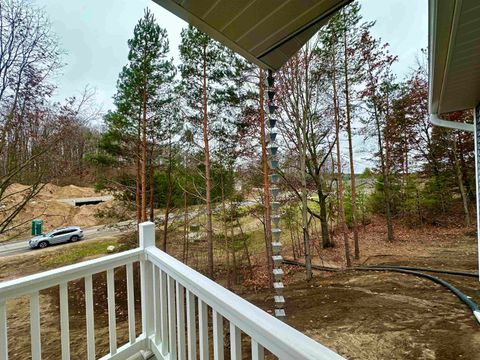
(435,120)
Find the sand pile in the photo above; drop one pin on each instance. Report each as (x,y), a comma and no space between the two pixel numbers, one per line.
(48,206)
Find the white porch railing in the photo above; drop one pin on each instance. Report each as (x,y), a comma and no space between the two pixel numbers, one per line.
(171,296)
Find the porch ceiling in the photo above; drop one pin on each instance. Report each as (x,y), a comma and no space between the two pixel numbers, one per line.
(454,55)
(265,32)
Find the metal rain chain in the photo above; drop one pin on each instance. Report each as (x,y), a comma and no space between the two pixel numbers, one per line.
(274,203)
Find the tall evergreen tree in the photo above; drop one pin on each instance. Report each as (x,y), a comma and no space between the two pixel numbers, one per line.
(142,100)
(349,20)
(204,67)
(378,95)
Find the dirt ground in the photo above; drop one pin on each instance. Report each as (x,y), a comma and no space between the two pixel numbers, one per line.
(48,206)
(383,315)
(361,315)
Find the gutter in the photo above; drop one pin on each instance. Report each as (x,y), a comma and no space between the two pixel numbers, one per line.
(435,120)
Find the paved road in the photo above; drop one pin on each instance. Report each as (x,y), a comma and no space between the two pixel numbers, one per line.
(19,247)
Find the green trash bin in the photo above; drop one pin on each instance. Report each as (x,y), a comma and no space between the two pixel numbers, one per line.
(37,227)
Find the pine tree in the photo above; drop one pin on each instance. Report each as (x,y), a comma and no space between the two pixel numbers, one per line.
(341,208)
(143,94)
(204,67)
(352,29)
(378,95)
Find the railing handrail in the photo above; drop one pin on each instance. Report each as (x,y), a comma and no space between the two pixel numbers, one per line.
(270,332)
(43,280)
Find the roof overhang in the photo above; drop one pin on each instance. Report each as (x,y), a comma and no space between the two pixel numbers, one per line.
(265,32)
(454,39)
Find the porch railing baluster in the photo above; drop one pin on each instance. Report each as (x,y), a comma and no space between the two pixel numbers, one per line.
(235,343)
(112,320)
(258,353)
(35,326)
(89,317)
(181,321)
(217,336)
(64,321)
(203,329)
(158,306)
(172,323)
(164,312)
(132,335)
(191,326)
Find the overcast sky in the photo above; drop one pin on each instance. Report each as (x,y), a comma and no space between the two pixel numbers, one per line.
(94,34)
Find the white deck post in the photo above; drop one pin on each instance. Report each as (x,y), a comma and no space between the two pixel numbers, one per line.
(147,239)
(476,140)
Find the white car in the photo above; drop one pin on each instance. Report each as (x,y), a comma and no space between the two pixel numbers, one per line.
(57,236)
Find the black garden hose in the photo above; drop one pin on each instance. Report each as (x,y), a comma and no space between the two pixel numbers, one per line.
(464,298)
(412,271)
(440,271)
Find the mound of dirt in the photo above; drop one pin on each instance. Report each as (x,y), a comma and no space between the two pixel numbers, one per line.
(85,215)
(72,191)
(48,206)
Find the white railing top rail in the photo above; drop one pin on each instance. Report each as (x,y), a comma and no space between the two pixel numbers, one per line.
(273,334)
(44,280)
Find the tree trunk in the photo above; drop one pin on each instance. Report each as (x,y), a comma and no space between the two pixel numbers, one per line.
(169,198)
(326,241)
(386,185)
(245,247)
(386,182)
(165,221)
(350,149)
(144,154)
(225,230)
(234,257)
(419,209)
(185,227)
(138,191)
(341,210)
(292,240)
(471,193)
(461,186)
(208,184)
(151,185)
(303,169)
(266,182)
